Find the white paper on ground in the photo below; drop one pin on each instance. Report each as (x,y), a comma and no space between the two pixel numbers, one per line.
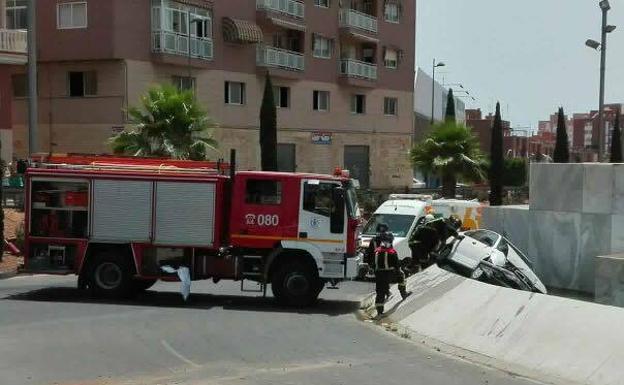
(185,279)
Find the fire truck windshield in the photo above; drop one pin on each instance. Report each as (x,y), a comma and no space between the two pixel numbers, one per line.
(351,200)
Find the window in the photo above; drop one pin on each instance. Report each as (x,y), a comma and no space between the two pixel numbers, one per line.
(391,58)
(20,85)
(358,104)
(184,83)
(321,101)
(391,12)
(390,106)
(263,192)
(317,198)
(322,3)
(486,237)
(234,93)
(82,84)
(281,96)
(17,14)
(322,47)
(71,15)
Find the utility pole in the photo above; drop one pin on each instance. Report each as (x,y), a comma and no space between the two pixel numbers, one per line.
(33,114)
(603,59)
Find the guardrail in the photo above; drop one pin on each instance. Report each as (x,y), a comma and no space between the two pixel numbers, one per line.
(288,7)
(357,19)
(358,69)
(13,40)
(177,44)
(277,57)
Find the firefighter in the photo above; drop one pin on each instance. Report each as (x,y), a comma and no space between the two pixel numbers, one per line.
(384,260)
(422,242)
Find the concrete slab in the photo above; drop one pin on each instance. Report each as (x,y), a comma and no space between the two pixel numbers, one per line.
(610,280)
(598,187)
(556,187)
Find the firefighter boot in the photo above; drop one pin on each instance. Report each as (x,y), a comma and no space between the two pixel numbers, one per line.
(380,310)
(403,291)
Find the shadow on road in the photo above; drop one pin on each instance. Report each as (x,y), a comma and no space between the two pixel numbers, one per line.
(196,301)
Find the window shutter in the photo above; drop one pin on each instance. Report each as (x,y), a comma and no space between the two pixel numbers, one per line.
(227,92)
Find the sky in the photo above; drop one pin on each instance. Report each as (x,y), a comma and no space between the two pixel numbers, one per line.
(528,54)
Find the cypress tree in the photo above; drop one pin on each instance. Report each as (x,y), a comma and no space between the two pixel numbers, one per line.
(497,160)
(268,128)
(616,142)
(562,152)
(450,107)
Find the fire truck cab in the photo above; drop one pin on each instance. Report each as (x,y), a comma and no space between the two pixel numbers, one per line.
(115,222)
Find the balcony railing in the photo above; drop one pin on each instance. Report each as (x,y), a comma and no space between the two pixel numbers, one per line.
(13,40)
(288,7)
(281,58)
(358,69)
(355,19)
(177,44)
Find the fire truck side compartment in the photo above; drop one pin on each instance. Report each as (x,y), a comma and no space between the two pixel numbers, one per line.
(185,214)
(122,211)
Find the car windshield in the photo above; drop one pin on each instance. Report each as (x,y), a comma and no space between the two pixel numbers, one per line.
(399,224)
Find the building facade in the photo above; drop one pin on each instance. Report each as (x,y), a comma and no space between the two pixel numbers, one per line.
(342,73)
(13,49)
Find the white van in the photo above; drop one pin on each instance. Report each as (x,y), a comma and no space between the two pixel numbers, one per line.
(401,216)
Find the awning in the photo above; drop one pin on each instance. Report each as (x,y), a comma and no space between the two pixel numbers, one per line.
(241,31)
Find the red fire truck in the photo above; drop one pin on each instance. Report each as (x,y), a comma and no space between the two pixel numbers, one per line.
(115,222)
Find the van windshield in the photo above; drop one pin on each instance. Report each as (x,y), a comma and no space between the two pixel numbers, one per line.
(399,224)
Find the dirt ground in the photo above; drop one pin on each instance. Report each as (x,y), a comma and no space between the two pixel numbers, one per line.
(12,221)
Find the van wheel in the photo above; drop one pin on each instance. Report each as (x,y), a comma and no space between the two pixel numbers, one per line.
(296,284)
(140,285)
(111,276)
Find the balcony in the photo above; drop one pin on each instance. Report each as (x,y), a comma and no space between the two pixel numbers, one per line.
(358,69)
(350,18)
(272,57)
(177,44)
(13,46)
(290,8)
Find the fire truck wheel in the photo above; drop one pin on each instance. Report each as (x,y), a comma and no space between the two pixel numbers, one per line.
(111,276)
(296,284)
(140,285)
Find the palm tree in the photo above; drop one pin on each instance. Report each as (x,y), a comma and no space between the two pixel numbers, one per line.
(451,151)
(170,124)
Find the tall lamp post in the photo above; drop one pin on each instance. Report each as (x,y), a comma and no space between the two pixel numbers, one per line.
(435,65)
(192,23)
(602,46)
(33,116)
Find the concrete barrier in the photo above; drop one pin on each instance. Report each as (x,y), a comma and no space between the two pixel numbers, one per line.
(543,336)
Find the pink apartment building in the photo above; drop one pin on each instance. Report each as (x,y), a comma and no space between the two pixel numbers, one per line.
(343,73)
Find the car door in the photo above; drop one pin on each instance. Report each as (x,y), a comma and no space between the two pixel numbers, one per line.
(315,216)
(473,249)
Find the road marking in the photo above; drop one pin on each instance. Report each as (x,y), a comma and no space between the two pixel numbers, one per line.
(178,355)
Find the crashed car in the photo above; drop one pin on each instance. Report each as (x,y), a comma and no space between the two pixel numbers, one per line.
(488,257)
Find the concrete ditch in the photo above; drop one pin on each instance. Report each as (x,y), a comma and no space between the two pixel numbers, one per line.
(549,338)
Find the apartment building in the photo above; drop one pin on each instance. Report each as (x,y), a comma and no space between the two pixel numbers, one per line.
(343,73)
(13,45)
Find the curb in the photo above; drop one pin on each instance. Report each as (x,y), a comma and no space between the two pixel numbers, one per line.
(8,274)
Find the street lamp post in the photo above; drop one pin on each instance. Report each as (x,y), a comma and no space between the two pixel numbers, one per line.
(33,115)
(605,29)
(435,65)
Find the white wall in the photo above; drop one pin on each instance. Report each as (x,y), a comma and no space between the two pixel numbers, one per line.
(422,98)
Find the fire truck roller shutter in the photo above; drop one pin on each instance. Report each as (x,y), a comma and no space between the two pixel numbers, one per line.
(185,214)
(122,211)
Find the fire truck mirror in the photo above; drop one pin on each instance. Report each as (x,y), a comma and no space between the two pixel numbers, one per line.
(337,218)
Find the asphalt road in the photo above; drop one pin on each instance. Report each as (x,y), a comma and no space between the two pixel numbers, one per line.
(51,333)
